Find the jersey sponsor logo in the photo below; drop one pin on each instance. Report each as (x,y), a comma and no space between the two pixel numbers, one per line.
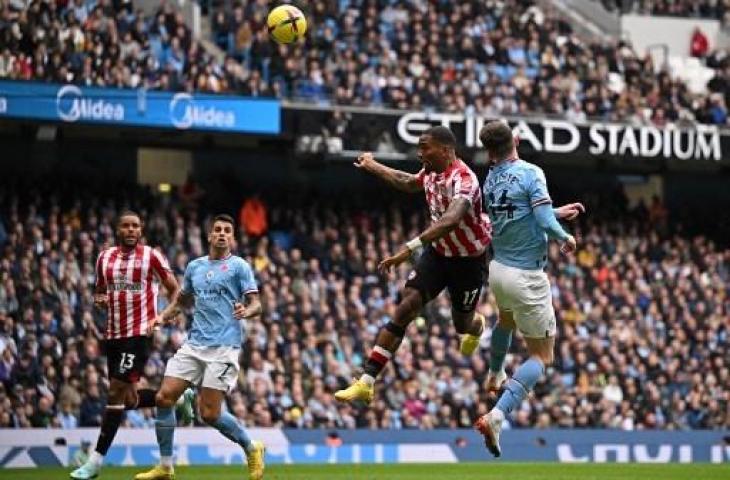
(208,293)
(120,284)
(72,106)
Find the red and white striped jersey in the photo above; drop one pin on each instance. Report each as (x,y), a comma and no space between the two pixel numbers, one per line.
(131,282)
(474,232)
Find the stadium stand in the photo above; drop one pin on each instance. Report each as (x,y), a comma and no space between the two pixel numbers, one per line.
(642,308)
(491,58)
(711,9)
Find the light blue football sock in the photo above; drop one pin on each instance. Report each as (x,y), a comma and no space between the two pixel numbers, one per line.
(499,346)
(165,430)
(230,428)
(517,387)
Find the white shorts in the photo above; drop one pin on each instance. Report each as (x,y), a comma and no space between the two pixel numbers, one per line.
(526,293)
(209,367)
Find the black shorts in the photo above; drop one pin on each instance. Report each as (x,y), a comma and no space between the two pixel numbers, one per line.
(463,276)
(127,357)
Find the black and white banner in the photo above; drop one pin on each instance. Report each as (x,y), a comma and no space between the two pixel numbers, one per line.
(372,130)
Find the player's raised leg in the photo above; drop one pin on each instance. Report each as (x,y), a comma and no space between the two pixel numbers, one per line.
(387,342)
(469,326)
(170,391)
(465,278)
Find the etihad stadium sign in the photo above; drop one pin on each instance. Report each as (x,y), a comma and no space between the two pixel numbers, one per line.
(700,142)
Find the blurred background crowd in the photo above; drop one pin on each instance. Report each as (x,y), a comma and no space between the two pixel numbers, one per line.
(642,308)
(494,57)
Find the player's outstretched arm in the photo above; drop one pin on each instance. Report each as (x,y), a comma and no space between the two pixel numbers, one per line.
(457,210)
(546,219)
(448,221)
(569,211)
(404,181)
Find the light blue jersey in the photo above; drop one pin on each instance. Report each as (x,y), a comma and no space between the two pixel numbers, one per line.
(217,285)
(511,191)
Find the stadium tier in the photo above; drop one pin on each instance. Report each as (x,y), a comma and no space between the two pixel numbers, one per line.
(490,58)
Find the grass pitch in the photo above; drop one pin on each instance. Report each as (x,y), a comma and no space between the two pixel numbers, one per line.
(462,471)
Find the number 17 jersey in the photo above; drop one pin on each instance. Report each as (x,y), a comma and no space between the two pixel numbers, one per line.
(511,190)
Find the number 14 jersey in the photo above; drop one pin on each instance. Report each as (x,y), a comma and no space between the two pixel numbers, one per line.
(512,189)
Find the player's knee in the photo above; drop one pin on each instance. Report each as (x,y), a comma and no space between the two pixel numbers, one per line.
(396,329)
(209,415)
(548,358)
(118,394)
(408,308)
(130,398)
(163,399)
(461,321)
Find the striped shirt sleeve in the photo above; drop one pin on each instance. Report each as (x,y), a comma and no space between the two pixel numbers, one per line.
(465,186)
(159,264)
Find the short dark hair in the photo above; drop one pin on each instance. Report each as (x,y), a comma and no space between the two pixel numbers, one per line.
(441,135)
(127,213)
(222,217)
(497,138)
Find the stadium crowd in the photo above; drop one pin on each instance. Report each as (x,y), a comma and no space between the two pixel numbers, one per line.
(642,313)
(493,58)
(711,9)
(105,44)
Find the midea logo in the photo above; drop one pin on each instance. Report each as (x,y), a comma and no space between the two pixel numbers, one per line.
(71,105)
(186,113)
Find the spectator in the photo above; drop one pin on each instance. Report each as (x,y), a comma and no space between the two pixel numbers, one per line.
(252,217)
(699,45)
(92,407)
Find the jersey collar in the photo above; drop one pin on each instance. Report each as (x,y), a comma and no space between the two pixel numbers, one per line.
(452,167)
(230,254)
(504,164)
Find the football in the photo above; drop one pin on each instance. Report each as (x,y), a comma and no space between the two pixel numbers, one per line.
(287,24)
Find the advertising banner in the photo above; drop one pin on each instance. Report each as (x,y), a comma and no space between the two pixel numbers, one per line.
(205,446)
(139,108)
(394,131)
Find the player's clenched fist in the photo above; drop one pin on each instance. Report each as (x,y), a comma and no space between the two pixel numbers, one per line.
(365,160)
